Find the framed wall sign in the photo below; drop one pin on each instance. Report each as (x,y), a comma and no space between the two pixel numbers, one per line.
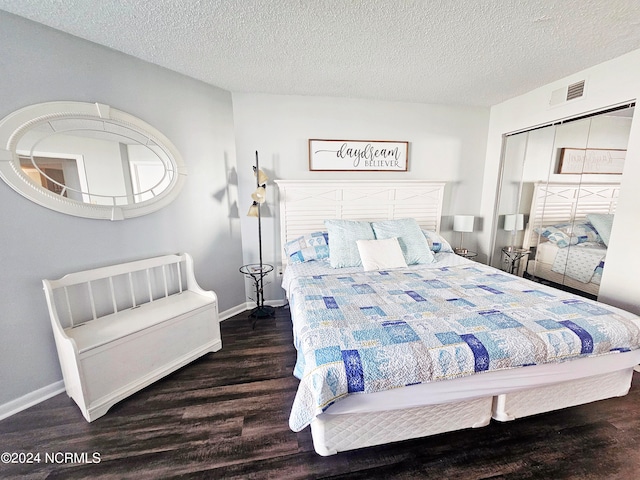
(591,160)
(358,155)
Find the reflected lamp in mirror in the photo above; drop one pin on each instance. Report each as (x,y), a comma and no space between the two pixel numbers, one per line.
(88,160)
(462,224)
(513,223)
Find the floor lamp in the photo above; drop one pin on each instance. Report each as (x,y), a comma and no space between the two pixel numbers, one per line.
(258,272)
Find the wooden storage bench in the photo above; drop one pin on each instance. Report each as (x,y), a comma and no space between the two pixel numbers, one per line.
(120,328)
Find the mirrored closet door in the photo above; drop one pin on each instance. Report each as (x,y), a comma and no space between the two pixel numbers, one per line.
(556,199)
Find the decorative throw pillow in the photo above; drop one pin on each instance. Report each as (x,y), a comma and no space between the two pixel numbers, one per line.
(381,254)
(555,235)
(412,241)
(602,222)
(313,246)
(565,234)
(343,235)
(436,242)
(584,232)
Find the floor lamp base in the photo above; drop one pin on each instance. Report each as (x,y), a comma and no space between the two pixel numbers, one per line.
(264,311)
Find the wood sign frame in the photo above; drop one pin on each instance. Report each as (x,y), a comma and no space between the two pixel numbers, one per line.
(591,160)
(358,155)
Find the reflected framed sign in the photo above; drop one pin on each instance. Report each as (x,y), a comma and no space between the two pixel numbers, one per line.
(591,160)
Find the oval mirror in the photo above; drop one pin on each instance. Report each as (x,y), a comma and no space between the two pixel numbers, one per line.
(88,160)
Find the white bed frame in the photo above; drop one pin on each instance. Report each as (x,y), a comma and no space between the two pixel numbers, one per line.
(555,203)
(304,205)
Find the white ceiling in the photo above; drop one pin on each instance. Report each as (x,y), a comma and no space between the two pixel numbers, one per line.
(433,51)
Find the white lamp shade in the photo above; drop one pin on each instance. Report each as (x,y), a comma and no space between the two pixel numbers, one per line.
(260,195)
(254,210)
(463,223)
(260,175)
(514,222)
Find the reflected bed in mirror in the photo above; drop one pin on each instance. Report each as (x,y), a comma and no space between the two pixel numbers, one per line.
(567,239)
(88,160)
(561,178)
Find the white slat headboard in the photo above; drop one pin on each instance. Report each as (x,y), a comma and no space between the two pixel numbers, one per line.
(555,203)
(306,204)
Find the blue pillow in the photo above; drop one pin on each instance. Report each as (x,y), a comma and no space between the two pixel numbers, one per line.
(565,234)
(584,232)
(412,241)
(343,235)
(555,234)
(313,246)
(436,242)
(602,222)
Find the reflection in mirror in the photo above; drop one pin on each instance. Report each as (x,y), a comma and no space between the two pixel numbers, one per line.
(567,207)
(89,154)
(51,173)
(94,161)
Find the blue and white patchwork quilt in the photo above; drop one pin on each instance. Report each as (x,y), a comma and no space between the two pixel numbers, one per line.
(580,262)
(360,332)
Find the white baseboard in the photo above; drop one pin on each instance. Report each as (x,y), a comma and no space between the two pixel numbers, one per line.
(31,399)
(232,312)
(248,306)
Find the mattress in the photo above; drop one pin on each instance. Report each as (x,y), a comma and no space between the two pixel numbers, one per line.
(506,302)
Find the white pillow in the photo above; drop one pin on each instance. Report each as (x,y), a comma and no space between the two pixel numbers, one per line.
(381,254)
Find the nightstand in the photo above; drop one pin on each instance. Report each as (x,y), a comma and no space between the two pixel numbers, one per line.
(511,257)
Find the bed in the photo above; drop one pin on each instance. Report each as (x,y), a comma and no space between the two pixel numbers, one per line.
(568,229)
(398,353)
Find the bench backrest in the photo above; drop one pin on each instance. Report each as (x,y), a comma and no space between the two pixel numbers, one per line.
(83,296)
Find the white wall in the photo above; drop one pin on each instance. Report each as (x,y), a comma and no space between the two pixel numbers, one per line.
(40,65)
(445,144)
(610,83)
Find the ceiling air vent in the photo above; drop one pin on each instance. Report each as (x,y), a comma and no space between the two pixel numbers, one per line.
(564,94)
(575,90)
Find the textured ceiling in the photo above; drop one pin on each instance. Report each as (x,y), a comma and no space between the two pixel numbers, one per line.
(432,51)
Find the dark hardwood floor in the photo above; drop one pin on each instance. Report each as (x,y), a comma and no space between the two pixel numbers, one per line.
(225,416)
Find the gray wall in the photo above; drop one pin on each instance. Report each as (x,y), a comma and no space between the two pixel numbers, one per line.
(39,64)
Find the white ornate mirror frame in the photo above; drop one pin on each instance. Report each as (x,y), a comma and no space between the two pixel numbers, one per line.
(44,115)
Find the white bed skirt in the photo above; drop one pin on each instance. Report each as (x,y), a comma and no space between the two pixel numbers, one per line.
(337,433)
(514,405)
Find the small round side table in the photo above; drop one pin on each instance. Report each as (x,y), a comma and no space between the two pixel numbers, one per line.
(256,272)
(511,257)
